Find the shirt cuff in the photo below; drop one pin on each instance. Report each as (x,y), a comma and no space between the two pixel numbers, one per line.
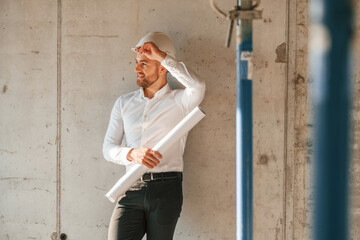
(119,155)
(171,64)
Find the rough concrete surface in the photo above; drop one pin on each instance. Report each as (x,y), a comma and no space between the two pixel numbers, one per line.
(27,119)
(64,63)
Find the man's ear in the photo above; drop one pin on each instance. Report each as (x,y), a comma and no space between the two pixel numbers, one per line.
(162,70)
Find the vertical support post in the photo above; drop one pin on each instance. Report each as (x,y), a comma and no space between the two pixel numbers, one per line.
(331,33)
(244,198)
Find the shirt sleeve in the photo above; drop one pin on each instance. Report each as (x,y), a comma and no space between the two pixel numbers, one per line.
(194,91)
(112,150)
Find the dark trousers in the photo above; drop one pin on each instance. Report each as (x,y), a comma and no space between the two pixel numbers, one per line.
(148,207)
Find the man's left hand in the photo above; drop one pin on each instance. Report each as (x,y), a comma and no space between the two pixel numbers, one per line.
(151,51)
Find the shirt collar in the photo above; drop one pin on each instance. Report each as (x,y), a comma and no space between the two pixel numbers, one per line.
(161,92)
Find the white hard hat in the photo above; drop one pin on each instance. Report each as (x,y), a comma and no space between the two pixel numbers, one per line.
(161,40)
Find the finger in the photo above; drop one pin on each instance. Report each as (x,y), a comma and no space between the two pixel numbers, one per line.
(149,164)
(141,49)
(147,47)
(147,51)
(144,46)
(146,164)
(153,155)
(152,160)
(156,154)
(151,45)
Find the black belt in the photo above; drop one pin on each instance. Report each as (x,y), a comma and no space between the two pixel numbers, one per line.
(160,176)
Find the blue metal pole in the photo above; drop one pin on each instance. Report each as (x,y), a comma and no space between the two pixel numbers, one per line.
(332,24)
(244,127)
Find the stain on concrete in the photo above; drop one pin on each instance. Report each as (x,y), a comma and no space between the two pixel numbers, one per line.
(35,52)
(40,189)
(18,178)
(5,88)
(103,189)
(299,79)
(277,233)
(4,150)
(281,53)
(263,160)
(267,20)
(54,236)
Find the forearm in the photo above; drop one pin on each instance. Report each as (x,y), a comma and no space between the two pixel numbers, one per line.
(183,74)
(194,91)
(116,154)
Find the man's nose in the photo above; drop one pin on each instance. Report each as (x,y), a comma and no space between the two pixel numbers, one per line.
(136,69)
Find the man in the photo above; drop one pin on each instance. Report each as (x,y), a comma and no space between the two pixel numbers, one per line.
(153,204)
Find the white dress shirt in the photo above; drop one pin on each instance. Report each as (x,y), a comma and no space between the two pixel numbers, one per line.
(144,122)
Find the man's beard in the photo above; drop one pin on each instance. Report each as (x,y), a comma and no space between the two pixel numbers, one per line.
(145,83)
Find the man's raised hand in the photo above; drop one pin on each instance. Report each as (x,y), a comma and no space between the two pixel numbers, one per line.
(151,51)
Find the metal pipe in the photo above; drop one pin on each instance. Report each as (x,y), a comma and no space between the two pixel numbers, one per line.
(244,196)
(331,33)
(217,10)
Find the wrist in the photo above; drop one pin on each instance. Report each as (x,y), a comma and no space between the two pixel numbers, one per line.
(129,157)
(161,56)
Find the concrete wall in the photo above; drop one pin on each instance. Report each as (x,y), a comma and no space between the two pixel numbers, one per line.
(28,69)
(64,63)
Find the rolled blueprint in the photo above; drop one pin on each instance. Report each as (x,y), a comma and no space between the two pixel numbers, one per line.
(131,176)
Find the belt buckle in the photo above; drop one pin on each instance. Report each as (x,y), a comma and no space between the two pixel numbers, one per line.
(151,177)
